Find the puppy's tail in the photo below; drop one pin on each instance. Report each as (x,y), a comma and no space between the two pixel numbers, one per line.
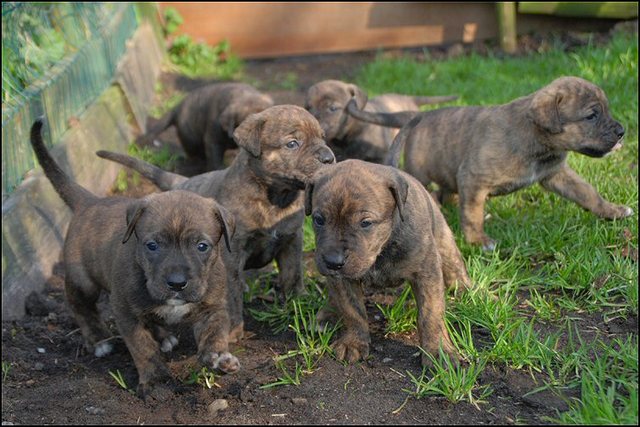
(423,100)
(393,156)
(392,120)
(161,178)
(158,127)
(71,192)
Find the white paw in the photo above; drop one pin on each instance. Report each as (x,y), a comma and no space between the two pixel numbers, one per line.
(103,349)
(628,212)
(168,344)
(226,362)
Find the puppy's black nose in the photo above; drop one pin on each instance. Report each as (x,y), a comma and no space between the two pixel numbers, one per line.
(334,261)
(619,131)
(177,281)
(325,156)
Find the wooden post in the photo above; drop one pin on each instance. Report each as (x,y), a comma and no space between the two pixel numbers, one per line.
(507,25)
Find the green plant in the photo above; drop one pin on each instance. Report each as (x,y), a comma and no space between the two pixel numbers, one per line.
(454,382)
(201,60)
(6,367)
(402,314)
(204,377)
(120,379)
(172,20)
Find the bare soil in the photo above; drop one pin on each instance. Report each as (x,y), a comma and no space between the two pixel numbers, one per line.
(52,381)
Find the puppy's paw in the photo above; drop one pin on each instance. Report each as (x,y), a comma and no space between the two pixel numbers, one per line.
(225,361)
(168,344)
(103,349)
(350,348)
(488,244)
(157,392)
(617,212)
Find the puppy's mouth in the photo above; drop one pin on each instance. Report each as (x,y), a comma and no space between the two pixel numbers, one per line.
(176,301)
(601,152)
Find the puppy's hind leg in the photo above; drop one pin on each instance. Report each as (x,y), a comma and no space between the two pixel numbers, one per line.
(82,302)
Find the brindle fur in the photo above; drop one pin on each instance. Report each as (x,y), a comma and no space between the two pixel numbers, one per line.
(349,137)
(377,226)
(206,119)
(263,189)
(108,248)
(479,152)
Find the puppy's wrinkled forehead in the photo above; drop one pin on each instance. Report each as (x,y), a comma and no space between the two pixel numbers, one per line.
(288,119)
(178,212)
(349,190)
(577,92)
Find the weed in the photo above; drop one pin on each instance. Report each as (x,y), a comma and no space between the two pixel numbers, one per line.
(120,379)
(204,377)
(6,367)
(402,314)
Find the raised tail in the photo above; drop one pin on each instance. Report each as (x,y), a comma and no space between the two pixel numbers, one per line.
(391,120)
(71,192)
(422,100)
(161,178)
(393,155)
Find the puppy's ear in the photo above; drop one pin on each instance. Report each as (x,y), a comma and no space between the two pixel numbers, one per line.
(134,212)
(360,95)
(399,188)
(308,194)
(227,120)
(227,221)
(247,135)
(544,110)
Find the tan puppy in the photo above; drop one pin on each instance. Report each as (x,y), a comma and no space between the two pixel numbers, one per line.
(350,138)
(378,226)
(280,149)
(489,151)
(208,116)
(159,257)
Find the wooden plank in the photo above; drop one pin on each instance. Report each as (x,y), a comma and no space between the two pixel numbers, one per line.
(620,10)
(273,29)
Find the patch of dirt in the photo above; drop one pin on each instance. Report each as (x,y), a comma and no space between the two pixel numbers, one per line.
(52,381)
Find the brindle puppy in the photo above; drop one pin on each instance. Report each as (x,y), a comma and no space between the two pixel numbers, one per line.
(170,271)
(208,116)
(489,151)
(280,149)
(378,226)
(350,138)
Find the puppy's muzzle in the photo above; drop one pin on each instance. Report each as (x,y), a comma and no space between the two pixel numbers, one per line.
(334,260)
(177,282)
(325,156)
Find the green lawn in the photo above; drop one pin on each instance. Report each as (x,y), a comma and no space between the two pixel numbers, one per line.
(557,267)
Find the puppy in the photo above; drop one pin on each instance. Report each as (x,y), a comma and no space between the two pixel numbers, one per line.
(352,138)
(489,151)
(377,226)
(158,257)
(280,149)
(207,117)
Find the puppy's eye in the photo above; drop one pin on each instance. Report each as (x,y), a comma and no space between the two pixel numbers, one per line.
(293,144)
(365,223)
(152,246)
(202,247)
(318,220)
(333,108)
(592,116)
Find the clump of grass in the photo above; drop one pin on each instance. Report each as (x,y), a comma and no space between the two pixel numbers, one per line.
(6,367)
(204,377)
(402,314)
(117,376)
(455,382)
(163,158)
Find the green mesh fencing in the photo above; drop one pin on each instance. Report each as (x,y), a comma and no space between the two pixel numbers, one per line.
(56,59)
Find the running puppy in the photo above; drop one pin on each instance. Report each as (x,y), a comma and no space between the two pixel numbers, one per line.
(349,137)
(159,258)
(489,151)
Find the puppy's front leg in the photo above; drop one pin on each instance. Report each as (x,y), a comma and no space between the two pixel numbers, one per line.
(567,183)
(347,298)
(289,260)
(212,336)
(143,348)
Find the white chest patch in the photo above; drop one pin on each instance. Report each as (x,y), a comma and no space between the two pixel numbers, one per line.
(173,313)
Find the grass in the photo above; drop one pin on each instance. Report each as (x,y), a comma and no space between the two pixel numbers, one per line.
(163,158)
(204,377)
(117,376)
(6,367)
